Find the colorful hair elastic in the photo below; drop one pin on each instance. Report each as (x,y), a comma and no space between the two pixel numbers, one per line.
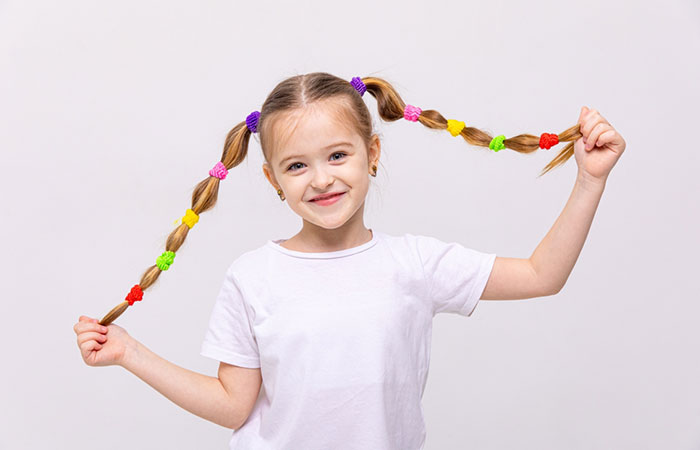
(219,171)
(497,144)
(135,295)
(252,121)
(455,126)
(165,260)
(547,140)
(190,218)
(358,85)
(411,113)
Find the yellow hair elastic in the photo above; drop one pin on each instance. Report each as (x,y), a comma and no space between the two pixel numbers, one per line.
(455,126)
(190,218)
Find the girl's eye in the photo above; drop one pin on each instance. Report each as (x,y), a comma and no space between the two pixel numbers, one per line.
(290,168)
(339,153)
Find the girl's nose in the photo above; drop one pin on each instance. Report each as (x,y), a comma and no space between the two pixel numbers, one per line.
(321,179)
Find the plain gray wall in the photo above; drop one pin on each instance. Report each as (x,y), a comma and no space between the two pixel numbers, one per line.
(111,113)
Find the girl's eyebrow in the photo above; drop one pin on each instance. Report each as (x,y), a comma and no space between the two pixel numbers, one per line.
(337,144)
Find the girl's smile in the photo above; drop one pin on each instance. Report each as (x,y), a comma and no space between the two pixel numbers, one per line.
(328,200)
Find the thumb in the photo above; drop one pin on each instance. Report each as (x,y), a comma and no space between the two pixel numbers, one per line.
(584,111)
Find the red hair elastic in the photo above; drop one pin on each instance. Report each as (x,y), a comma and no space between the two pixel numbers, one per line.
(547,140)
(135,295)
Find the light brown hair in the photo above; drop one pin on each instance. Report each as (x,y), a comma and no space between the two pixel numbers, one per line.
(296,92)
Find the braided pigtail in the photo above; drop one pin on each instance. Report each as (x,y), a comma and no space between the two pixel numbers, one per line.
(295,93)
(392,107)
(204,198)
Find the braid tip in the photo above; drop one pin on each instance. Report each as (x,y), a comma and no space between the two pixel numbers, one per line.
(114,313)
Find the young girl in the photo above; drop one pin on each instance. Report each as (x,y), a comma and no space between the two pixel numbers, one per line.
(324,338)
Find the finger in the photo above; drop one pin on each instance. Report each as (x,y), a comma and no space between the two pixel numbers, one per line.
(82,327)
(584,110)
(79,327)
(595,133)
(85,319)
(600,116)
(608,136)
(588,125)
(89,346)
(584,120)
(91,336)
(594,114)
(589,114)
(91,328)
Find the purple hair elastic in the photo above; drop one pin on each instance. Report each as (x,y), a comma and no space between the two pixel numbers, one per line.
(252,121)
(358,85)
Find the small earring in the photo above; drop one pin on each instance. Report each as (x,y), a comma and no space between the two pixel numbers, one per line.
(279,192)
(374,169)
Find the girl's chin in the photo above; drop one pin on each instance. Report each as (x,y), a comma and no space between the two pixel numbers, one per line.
(327,222)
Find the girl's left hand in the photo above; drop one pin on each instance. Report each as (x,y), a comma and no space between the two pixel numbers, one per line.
(600,147)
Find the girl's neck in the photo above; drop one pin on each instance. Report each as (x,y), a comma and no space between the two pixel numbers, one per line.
(329,240)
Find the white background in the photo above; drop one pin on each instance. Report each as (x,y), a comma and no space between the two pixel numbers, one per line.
(110,113)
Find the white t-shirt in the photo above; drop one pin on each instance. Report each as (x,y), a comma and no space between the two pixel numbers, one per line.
(342,338)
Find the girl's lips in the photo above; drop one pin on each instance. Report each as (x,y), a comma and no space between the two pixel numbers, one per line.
(328,200)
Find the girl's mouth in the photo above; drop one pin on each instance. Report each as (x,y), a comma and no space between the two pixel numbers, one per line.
(328,200)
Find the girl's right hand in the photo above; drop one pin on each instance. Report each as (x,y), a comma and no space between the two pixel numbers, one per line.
(100,345)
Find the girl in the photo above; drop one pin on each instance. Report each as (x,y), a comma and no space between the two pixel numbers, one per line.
(323,339)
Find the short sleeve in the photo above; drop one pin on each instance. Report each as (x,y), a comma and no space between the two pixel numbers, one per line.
(230,336)
(455,275)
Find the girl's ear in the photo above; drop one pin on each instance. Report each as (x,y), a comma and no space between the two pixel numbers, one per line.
(269,174)
(375,148)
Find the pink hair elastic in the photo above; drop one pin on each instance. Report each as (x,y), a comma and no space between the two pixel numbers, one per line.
(411,113)
(219,171)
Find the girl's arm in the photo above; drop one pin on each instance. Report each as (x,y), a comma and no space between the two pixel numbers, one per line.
(546,271)
(596,151)
(555,256)
(199,394)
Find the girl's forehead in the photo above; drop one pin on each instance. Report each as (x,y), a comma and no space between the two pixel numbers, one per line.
(305,129)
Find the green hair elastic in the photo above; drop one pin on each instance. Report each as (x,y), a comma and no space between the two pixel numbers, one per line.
(497,144)
(165,260)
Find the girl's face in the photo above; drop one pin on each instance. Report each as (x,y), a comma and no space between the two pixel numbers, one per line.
(316,154)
